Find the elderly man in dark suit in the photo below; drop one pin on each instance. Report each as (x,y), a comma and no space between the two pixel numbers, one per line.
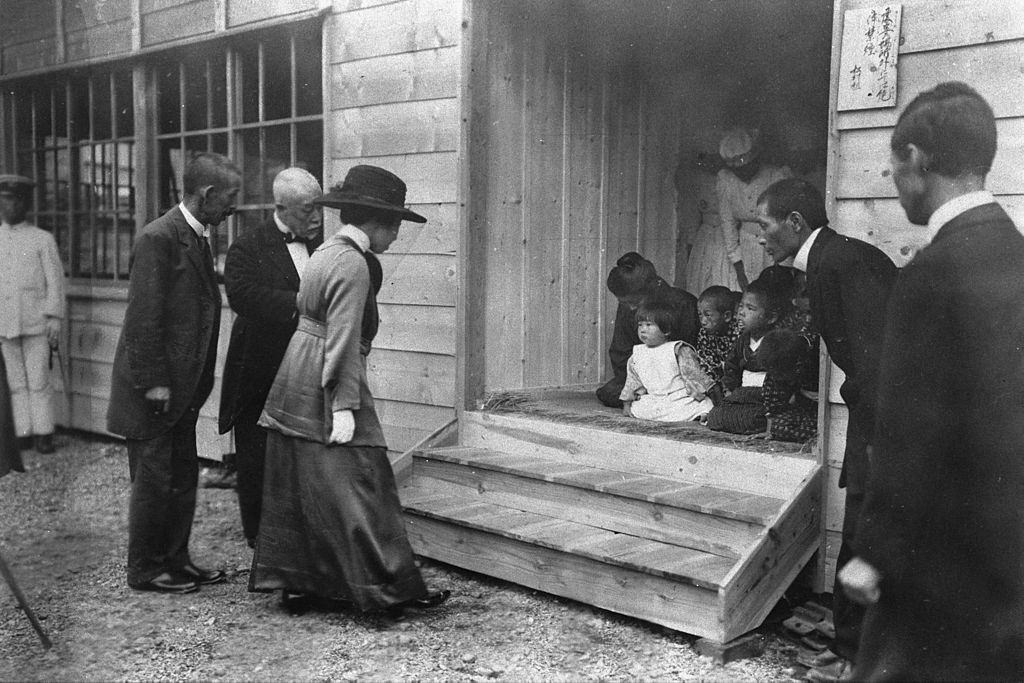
(848,283)
(940,549)
(261,277)
(163,373)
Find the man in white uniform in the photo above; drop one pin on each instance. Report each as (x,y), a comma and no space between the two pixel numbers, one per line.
(31,309)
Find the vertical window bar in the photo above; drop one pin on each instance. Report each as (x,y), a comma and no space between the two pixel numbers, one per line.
(37,190)
(232,81)
(115,180)
(92,207)
(73,236)
(261,73)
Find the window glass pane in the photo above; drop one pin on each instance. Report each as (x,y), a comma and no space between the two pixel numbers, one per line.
(82,245)
(308,66)
(169,177)
(247,156)
(247,63)
(80,110)
(219,89)
(248,221)
(22,108)
(125,240)
(195,95)
(105,246)
(168,100)
(62,175)
(277,155)
(309,148)
(59,110)
(124,103)
(101,110)
(277,77)
(219,143)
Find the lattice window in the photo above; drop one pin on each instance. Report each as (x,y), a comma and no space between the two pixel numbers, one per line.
(257,100)
(75,135)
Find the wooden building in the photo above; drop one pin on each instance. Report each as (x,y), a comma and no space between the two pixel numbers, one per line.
(542,139)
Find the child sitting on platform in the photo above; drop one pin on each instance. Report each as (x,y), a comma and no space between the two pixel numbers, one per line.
(719,328)
(790,388)
(742,412)
(664,380)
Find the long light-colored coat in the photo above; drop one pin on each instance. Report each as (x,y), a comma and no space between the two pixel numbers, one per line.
(324,369)
(31,280)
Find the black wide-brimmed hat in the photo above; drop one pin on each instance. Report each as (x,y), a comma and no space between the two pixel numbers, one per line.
(371,186)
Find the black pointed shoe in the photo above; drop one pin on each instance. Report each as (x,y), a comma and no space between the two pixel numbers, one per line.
(203,577)
(433,599)
(168,582)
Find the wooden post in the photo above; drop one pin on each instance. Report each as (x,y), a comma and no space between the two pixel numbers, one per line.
(20,597)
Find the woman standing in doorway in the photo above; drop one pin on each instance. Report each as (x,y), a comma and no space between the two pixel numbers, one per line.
(332,525)
(745,176)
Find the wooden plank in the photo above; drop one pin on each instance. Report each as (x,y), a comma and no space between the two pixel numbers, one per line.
(402,461)
(864,169)
(99,41)
(756,583)
(24,22)
(430,329)
(247,11)
(499,175)
(36,54)
(404,77)
(544,140)
(992,69)
(666,524)
(439,235)
(676,605)
(405,424)
(835,500)
(883,223)
(412,377)
(418,279)
(429,178)
(420,126)
(177,21)
(395,28)
(928,25)
(767,474)
(583,283)
(661,126)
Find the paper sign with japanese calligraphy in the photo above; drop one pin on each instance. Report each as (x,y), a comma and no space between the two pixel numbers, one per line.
(867,65)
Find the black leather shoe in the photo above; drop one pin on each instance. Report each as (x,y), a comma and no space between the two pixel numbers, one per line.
(44,444)
(168,582)
(204,577)
(295,603)
(433,599)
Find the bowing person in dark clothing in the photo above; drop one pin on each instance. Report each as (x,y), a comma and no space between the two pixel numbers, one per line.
(848,284)
(261,278)
(633,280)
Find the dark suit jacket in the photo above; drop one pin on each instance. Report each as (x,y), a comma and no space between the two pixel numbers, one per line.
(169,337)
(261,282)
(943,520)
(848,284)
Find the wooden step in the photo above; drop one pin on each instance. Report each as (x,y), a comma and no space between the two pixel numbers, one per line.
(771,474)
(713,500)
(676,563)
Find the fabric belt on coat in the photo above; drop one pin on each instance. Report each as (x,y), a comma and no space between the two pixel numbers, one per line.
(313,327)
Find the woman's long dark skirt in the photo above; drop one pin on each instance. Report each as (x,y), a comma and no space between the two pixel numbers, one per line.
(332,526)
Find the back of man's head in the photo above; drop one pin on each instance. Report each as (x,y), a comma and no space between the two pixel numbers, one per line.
(295,184)
(953,125)
(209,168)
(783,197)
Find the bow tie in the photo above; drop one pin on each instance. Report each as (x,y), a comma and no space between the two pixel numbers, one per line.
(289,238)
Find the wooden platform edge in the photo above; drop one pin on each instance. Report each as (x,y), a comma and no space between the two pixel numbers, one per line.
(679,606)
(445,435)
(758,581)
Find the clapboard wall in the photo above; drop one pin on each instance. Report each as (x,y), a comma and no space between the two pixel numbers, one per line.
(391,75)
(979,43)
(392,100)
(569,164)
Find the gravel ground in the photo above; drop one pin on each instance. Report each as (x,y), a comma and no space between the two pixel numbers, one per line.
(63,533)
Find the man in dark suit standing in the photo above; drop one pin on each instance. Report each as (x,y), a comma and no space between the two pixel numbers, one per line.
(261,278)
(163,373)
(940,550)
(848,283)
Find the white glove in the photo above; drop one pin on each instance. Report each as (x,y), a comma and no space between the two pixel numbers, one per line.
(344,426)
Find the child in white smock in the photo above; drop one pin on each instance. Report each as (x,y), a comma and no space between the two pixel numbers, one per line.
(664,379)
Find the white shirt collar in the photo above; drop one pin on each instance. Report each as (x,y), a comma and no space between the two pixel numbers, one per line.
(284,229)
(199,228)
(361,239)
(804,253)
(954,207)
(8,226)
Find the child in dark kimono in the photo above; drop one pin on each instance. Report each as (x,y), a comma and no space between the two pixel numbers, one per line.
(790,390)
(719,329)
(742,412)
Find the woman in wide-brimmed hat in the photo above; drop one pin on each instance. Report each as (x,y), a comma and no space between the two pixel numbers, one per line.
(331,526)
